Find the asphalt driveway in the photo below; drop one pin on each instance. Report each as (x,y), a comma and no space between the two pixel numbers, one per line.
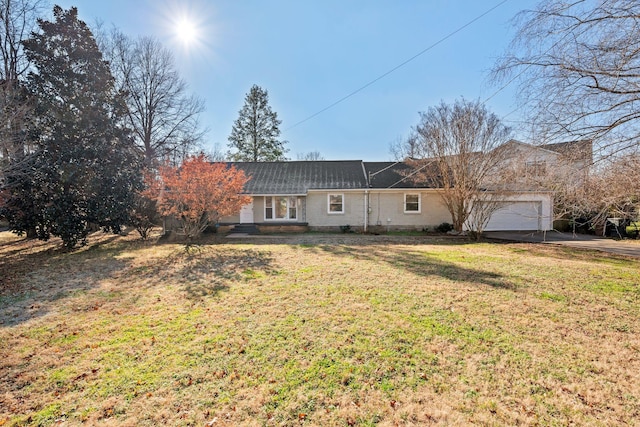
(584,241)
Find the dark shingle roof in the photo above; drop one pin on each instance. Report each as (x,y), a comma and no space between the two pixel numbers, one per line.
(574,150)
(565,147)
(284,178)
(395,175)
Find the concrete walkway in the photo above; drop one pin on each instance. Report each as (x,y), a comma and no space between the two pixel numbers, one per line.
(583,241)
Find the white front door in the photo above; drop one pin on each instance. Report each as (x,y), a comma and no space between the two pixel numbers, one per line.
(246,214)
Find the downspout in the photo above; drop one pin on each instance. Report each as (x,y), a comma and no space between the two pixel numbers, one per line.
(367,177)
(366,209)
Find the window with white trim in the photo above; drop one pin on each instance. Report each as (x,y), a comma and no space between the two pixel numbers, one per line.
(280,208)
(412,203)
(335,203)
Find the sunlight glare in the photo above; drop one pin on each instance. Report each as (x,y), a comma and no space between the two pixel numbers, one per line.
(186,31)
(190,28)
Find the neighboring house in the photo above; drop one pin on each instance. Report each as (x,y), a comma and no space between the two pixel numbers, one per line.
(562,168)
(538,166)
(367,196)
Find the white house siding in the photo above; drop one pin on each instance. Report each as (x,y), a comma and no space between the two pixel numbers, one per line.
(387,210)
(317,210)
(258,209)
(258,213)
(231,219)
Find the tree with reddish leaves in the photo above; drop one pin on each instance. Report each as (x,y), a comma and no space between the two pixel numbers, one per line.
(199,193)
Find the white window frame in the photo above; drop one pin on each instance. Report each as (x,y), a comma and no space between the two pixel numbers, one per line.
(329,211)
(404,204)
(273,208)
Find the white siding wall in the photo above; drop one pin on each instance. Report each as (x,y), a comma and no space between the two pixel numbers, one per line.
(258,209)
(389,205)
(384,206)
(317,209)
(231,219)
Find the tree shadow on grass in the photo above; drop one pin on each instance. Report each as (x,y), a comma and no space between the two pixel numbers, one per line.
(203,271)
(36,275)
(420,263)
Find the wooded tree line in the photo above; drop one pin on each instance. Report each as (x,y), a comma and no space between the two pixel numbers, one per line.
(83,118)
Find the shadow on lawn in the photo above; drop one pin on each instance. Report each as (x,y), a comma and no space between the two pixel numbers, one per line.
(37,274)
(203,271)
(420,263)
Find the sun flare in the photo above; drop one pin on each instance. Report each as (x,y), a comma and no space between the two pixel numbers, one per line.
(186,31)
(190,28)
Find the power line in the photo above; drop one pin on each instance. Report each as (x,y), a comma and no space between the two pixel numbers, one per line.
(360,89)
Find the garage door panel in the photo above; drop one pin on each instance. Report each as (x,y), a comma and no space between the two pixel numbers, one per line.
(516,216)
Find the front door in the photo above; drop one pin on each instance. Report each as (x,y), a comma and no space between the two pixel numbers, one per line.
(246,214)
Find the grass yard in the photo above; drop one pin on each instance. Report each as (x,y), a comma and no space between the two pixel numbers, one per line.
(317,330)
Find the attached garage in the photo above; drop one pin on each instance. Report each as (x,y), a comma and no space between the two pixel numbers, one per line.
(517,216)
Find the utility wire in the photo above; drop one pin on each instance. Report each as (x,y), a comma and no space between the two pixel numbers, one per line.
(360,89)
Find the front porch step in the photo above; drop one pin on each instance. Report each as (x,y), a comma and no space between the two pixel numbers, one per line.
(245,229)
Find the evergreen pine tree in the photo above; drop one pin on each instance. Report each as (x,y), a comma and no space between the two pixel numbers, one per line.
(254,135)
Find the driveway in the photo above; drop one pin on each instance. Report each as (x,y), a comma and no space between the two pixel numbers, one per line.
(583,241)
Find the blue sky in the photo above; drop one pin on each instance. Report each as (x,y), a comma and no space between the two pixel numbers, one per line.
(309,54)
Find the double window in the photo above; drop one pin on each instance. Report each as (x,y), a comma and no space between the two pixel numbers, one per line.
(335,203)
(412,203)
(280,208)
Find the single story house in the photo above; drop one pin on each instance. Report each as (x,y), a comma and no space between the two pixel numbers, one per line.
(366,196)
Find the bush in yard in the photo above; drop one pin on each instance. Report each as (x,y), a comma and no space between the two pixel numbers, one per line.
(444,227)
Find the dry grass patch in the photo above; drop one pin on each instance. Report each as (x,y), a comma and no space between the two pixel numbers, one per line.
(325,331)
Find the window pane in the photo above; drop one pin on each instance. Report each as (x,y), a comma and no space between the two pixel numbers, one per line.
(335,203)
(412,203)
(268,208)
(281,207)
(293,207)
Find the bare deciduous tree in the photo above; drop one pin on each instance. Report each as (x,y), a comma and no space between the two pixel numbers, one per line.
(459,147)
(17,19)
(163,116)
(577,62)
(216,153)
(310,156)
(613,190)
(585,195)
(560,168)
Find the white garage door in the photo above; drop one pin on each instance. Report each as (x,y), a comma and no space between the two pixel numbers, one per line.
(516,216)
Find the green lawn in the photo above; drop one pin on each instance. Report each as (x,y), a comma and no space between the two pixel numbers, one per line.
(349,331)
